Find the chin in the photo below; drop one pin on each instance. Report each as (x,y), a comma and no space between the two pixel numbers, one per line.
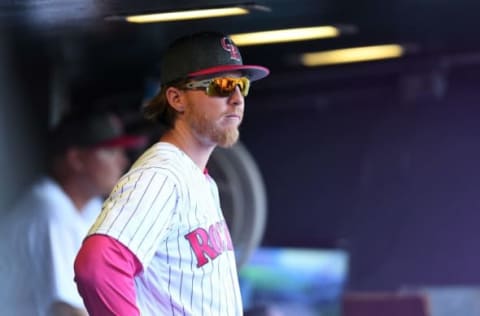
(228,139)
(227,145)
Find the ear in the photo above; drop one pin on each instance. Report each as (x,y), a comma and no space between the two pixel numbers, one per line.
(176,98)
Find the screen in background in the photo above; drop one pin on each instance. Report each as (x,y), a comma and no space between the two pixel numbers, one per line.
(295,281)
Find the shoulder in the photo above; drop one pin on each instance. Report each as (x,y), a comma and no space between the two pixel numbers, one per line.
(160,154)
(162,159)
(43,202)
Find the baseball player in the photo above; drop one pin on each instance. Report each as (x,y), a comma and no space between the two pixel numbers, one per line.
(161,245)
(42,234)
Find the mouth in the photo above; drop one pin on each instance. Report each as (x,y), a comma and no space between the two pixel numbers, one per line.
(232,119)
(233,116)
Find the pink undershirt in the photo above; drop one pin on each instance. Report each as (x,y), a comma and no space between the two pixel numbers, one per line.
(104,272)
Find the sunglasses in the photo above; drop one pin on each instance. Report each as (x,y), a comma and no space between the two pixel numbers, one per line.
(221,86)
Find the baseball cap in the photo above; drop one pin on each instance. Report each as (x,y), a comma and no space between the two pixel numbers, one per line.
(95,129)
(203,54)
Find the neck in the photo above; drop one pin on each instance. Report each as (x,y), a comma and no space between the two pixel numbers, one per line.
(197,150)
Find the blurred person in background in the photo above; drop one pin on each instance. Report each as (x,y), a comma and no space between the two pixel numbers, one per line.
(42,234)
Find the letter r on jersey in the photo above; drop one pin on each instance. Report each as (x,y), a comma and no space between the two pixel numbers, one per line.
(199,242)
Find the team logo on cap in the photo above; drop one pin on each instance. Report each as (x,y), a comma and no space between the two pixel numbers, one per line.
(230,47)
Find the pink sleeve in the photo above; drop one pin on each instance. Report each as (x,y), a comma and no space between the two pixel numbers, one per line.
(104,272)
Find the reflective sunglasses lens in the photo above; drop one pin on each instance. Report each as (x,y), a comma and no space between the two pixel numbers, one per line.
(224,87)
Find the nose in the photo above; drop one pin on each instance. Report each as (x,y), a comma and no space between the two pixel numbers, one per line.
(236,98)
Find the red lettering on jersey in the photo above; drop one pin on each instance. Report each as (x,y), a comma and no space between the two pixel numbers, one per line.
(228,238)
(199,242)
(209,243)
(214,235)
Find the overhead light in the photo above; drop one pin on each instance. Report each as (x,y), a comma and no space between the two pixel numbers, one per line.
(350,55)
(182,15)
(285,35)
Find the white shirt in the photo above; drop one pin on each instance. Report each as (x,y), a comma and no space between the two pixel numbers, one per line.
(40,238)
(167,212)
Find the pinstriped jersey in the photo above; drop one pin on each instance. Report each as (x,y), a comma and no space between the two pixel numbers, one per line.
(167,212)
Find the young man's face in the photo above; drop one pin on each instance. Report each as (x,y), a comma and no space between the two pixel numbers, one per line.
(212,119)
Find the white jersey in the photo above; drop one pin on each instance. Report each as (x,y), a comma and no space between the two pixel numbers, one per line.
(40,238)
(167,212)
